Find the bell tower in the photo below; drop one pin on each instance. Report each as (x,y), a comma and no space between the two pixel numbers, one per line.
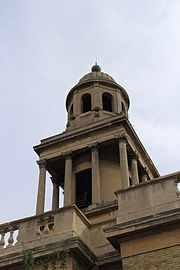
(118,212)
(99,152)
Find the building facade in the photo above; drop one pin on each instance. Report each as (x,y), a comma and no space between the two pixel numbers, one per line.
(118,213)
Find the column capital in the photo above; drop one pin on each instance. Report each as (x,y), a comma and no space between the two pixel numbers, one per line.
(68,155)
(133,155)
(144,170)
(93,146)
(42,163)
(121,138)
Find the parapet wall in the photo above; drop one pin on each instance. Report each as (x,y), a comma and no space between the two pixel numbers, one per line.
(148,199)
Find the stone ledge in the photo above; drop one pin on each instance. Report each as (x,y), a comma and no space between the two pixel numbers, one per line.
(142,227)
(74,244)
(109,258)
(100,208)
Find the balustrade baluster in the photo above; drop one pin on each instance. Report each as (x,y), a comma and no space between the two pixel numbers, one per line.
(17,239)
(11,238)
(38,233)
(46,229)
(2,242)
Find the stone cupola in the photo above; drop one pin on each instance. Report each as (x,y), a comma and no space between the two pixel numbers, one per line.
(96,96)
(99,152)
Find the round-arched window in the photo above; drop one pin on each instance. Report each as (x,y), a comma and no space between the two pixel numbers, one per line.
(71,110)
(86,103)
(123,108)
(107,102)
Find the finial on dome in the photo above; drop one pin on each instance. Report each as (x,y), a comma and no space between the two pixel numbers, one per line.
(96,68)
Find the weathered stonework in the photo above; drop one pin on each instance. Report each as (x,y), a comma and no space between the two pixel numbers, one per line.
(119,213)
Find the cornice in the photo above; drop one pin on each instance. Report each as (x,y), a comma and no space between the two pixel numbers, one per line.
(142,227)
(69,135)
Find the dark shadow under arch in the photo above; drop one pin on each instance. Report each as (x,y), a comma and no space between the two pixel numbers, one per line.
(86,103)
(107,102)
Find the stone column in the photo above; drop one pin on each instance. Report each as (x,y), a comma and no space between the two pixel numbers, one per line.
(41,187)
(68,180)
(134,169)
(96,196)
(123,161)
(144,175)
(55,198)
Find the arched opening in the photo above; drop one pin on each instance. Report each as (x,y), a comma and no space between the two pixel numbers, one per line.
(130,181)
(71,111)
(84,189)
(107,102)
(86,103)
(123,108)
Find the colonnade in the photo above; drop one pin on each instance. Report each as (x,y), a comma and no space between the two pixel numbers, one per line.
(96,198)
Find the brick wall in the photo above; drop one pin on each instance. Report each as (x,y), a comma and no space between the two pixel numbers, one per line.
(163,259)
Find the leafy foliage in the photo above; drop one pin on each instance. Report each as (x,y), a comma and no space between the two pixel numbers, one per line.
(63,259)
(44,264)
(54,259)
(57,260)
(28,260)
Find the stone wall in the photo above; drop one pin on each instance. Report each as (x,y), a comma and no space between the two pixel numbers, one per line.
(167,258)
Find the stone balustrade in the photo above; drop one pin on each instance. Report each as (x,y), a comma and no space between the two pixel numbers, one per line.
(59,228)
(7,232)
(16,232)
(45,225)
(39,231)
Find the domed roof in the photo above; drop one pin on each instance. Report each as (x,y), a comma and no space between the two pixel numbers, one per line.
(96,75)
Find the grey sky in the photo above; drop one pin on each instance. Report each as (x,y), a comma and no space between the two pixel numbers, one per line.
(47,46)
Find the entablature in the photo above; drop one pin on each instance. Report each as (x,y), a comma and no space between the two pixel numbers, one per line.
(102,132)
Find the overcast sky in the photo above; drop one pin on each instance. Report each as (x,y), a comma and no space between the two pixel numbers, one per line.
(47,46)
